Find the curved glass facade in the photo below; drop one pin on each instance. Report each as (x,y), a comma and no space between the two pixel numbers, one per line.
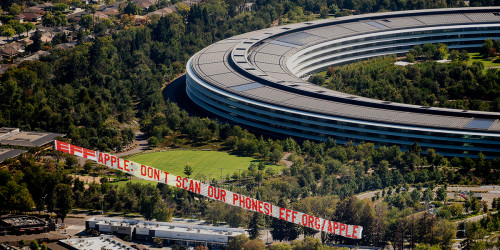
(275,118)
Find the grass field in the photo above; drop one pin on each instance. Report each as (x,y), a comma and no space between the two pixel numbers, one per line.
(122,183)
(487,63)
(202,162)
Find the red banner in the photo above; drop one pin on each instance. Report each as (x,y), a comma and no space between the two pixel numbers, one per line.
(215,193)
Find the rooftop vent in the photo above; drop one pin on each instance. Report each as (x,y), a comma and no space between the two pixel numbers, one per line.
(386,20)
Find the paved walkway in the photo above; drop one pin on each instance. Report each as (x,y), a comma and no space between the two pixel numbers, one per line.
(141,142)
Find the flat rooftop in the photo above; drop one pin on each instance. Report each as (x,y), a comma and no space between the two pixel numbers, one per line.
(254,66)
(21,221)
(7,153)
(167,226)
(107,242)
(29,138)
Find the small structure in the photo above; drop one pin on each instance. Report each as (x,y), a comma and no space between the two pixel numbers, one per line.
(32,17)
(174,233)
(101,242)
(140,20)
(161,12)
(23,225)
(46,6)
(99,15)
(66,46)
(30,139)
(144,3)
(7,153)
(11,49)
(35,56)
(34,9)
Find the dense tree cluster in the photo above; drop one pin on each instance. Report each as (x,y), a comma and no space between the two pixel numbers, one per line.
(452,85)
(94,91)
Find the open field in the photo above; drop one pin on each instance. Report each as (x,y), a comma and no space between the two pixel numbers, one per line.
(203,162)
(476,57)
(122,183)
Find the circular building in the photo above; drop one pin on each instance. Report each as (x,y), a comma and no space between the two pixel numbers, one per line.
(256,80)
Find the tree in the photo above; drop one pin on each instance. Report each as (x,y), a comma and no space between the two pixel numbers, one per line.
(188,170)
(48,20)
(87,167)
(132,9)
(14,196)
(283,230)
(441,193)
(15,9)
(34,245)
(280,246)
(162,212)
(237,242)
(410,57)
(255,244)
(60,7)
(37,41)
(276,155)
(486,47)
(153,141)
(28,27)
(323,12)
(71,161)
(86,21)
(8,31)
(254,226)
(64,200)
(307,243)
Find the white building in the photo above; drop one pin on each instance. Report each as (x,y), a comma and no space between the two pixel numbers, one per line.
(173,233)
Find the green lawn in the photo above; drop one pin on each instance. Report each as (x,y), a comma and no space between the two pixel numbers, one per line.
(202,162)
(120,184)
(487,63)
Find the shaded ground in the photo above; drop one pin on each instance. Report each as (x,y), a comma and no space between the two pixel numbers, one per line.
(176,92)
(141,144)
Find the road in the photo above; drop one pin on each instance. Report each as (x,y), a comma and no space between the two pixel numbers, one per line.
(141,145)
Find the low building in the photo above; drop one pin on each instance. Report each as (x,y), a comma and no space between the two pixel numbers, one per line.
(34,9)
(144,3)
(65,46)
(173,233)
(107,242)
(7,132)
(26,138)
(161,12)
(11,49)
(7,153)
(32,17)
(35,56)
(19,225)
(46,6)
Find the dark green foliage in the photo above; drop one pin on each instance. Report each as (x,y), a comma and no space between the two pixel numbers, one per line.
(283,230)
(254,226)
(450,85)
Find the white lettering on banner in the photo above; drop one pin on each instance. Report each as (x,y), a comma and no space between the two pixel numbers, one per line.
(216,193)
